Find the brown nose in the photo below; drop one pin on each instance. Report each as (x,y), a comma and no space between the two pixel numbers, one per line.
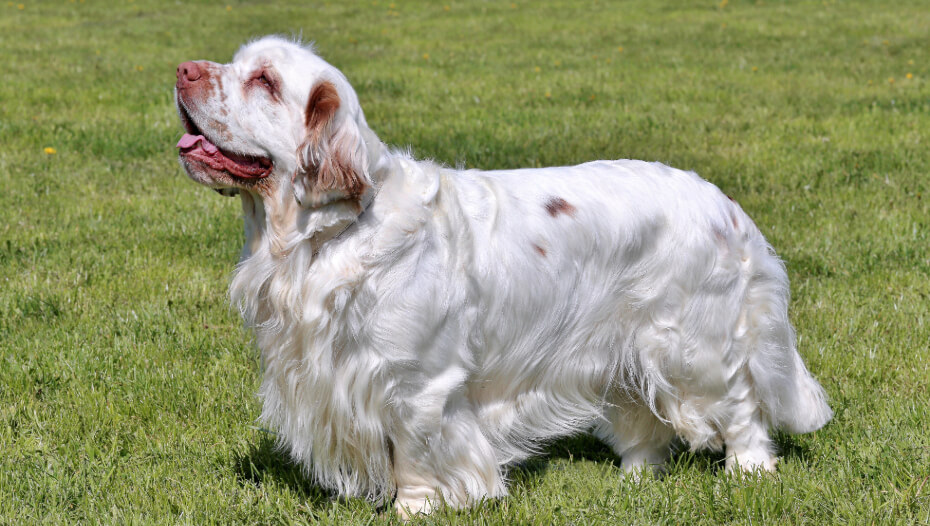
(188,72)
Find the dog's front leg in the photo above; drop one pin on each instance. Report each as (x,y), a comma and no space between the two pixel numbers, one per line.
(441,455)
(418,491)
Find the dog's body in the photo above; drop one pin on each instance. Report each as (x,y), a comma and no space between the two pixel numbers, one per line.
(422,327)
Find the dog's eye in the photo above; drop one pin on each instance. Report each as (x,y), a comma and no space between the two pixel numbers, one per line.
(265,80)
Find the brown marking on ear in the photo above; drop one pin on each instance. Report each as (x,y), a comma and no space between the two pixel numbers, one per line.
(539,249)
(557,205)
(336,172)
(326,156)
(735,220)
(321,108)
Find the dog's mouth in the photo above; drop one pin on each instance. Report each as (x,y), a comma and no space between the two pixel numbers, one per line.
(195,146)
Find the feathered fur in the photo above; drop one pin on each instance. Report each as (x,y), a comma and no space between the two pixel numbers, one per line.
(467,317)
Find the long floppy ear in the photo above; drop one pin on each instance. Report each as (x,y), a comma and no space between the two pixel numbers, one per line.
(332,161)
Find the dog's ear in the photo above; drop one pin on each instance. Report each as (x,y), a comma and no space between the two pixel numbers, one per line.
(332,160)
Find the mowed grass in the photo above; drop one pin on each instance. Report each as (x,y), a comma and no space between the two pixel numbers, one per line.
(127,386)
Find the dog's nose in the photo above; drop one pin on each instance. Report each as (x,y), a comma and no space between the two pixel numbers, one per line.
(188,72)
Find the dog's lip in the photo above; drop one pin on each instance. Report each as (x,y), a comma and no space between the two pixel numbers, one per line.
(196,146)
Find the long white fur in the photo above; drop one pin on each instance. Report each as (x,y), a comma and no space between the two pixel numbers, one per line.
(467,317)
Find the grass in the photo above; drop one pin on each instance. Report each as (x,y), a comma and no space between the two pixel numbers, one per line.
(127,387)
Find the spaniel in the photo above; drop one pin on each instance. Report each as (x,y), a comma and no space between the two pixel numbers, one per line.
(422,327)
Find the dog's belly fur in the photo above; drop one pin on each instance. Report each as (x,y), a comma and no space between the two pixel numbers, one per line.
(486,312)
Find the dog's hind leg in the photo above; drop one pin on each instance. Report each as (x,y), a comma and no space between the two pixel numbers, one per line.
(748,445)
(636,434)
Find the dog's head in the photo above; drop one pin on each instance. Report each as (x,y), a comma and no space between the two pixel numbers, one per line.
(277,117)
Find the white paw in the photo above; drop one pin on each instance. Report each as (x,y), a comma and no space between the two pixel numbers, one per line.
(751,461)
(637,464)
(409,503)
(639,467)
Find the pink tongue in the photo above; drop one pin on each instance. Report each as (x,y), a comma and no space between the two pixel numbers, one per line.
(189,141)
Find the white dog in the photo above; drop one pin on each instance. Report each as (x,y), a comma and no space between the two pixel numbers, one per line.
(422,327)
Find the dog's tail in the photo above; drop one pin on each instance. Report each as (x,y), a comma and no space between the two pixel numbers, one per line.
(794,400)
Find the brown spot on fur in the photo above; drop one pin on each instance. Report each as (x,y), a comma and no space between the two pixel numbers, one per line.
(539,249)
(221,130)
(219,86)
(734,220)
(557,205)
(321,108)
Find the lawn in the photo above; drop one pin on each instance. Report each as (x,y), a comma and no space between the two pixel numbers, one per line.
(127,386)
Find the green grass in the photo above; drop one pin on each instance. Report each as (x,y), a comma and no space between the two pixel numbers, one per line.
(127,387)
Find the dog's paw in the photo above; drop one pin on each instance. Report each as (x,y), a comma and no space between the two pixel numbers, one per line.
(751,461)
(409,508)
(414,501)
(645,460)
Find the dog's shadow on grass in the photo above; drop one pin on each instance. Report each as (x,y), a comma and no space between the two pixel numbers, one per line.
(586,447)
(264,463)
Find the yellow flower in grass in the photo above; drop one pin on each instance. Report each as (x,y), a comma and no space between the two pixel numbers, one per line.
(446,8)
(425,56)
(20,6)
(548,94)
(723,3)
(890,80)
(909,76)
(229,8)
(139,68)
(619,49)
(537,69)
(50,151)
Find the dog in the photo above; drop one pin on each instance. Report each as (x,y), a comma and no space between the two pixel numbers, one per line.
(421,328)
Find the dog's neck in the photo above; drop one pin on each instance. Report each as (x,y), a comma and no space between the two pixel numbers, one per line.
(276,221)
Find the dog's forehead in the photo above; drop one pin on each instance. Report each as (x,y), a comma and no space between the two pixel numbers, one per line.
(275,50)
(297,65)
